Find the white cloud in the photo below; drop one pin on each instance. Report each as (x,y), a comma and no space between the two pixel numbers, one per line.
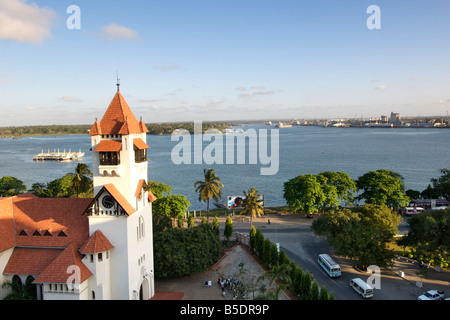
(116,32)
(23,22)
(381,87)
(71,99)
(168,67)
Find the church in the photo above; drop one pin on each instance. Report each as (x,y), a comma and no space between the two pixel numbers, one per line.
(88,249)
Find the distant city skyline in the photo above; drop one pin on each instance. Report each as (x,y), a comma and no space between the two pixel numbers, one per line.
(214,60)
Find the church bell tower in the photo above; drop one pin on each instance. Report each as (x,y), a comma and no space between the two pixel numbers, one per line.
(122,204)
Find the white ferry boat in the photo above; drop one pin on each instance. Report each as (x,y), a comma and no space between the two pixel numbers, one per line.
(58,156)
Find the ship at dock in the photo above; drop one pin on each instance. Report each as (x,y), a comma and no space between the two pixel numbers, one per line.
(58,156)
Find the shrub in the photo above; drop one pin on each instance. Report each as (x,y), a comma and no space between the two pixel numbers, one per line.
(179,252)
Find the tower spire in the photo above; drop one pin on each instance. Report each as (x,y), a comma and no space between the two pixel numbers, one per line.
(118,81)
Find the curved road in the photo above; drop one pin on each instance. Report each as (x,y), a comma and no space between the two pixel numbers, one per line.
(301,244)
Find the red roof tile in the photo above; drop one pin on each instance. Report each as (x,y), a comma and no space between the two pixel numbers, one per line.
(57,270)
(53,214)
(7,232)
(118,119)
(30,261)
(96,243)
(109,146)
(140,144)
(121,200)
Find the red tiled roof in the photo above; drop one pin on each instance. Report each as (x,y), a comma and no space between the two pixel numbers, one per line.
(118,119)
(109,146)
(139,187)
(151,196)
(96,129)
(55,215)
(121,200)
(7,234)
(140,144)
(57,270)
(142,126)
(96,243)
(30,261)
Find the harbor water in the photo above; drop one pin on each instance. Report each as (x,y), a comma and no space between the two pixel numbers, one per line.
(417,154)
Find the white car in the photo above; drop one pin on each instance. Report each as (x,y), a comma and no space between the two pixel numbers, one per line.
(432,295)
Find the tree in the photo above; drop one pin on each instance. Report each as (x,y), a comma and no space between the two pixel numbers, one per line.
(361,234)
(10,186)
(228,231)
(209,188)
(323,293)
(382,187)
(179,252)
(81,181)
(253,204)
(315,291)
(343,183)
(216,226)
(172,206)
(159,189)
(252,238)
(60,188)
(429,237)
(19,291)
(304,193)
(442,184)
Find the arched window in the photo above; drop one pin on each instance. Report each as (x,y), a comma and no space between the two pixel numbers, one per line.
(140,228)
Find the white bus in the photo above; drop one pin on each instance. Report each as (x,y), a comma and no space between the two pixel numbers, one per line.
(329,265)
(362,287)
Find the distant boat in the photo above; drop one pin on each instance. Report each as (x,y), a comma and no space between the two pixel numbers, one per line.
(231,131)
(281,125)
(58,156)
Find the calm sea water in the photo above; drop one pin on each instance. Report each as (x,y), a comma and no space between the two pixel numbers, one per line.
(417,154)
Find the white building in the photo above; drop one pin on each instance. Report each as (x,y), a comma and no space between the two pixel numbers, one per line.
(85,249)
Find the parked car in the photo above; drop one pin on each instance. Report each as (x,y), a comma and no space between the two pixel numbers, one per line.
(432,295)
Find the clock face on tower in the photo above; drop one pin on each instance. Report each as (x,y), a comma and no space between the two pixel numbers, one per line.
(108,201)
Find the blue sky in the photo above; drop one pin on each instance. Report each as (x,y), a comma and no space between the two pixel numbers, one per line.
(222,59)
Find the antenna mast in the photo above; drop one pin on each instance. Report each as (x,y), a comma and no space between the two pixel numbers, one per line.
(118,81)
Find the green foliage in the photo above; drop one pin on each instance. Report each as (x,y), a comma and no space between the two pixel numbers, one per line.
(171,206)
(228,231)
(216,226)
(382,187)
(323,293)
(252,238)
(361,234)
(315,291)
(253,204)
(259,242)
(209,188)
(265,257)
(442,184)
(153,128)
(10,186)
(179,252)
(429,237)
(273,255)
(81,179)
(304,193)
(180,223)
(305,286)
(311,193)
(159,189)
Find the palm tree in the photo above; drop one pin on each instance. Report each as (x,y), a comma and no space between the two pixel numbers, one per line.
(18,291)
(253,204)
(81,178)
(209,188)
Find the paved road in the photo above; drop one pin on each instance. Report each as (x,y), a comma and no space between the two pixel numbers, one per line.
(303,246)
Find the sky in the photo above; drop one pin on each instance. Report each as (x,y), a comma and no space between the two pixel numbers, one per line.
(214,60)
